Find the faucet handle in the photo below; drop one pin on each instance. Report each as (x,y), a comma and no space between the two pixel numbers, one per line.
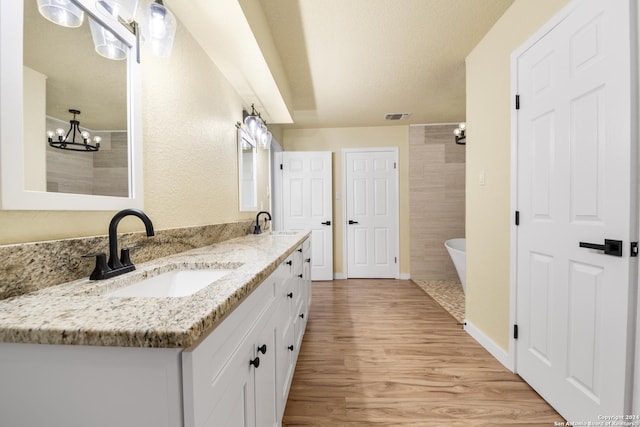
(125,257)
(101,268)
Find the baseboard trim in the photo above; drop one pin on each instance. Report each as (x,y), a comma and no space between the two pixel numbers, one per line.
(405,276)
(488,344)
(339,276)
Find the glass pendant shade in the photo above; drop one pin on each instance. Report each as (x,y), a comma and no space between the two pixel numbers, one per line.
(61,12)
(252,122)
(265,141)
(125,9)
(106,43)
(159,29)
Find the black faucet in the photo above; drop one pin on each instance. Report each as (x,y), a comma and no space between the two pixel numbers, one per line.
(117,266)
(257,229)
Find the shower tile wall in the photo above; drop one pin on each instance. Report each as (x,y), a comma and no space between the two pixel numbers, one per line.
(436,199)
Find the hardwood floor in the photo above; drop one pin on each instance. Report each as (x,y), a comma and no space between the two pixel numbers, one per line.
(382,352)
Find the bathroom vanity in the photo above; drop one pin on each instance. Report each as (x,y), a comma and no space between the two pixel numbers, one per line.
(82,354)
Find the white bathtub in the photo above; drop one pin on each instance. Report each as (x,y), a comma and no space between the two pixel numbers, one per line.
(457,249)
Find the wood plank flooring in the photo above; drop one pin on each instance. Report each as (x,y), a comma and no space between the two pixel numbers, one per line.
(382,352)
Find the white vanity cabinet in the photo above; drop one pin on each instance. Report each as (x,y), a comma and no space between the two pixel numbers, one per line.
(240,374)
(218,381)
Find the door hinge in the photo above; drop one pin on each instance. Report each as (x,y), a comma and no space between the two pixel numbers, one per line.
(634,249)
(515,332)
(517,217)
(395,260)
(517,102)
(281,166)
(394,165)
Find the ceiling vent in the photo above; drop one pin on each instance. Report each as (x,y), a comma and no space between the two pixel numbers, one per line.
(397,116)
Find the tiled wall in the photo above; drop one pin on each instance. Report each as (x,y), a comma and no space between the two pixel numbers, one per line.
(32,266)
(436,199)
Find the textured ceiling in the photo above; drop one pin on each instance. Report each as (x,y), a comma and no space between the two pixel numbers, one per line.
(349,62)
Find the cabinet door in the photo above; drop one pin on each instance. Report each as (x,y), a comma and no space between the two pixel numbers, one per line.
(233,402)
(285,349)
(265,373)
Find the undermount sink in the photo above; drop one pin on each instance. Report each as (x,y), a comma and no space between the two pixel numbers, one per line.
(176,283)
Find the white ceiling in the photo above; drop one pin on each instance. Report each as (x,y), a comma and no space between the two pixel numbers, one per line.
(335,63)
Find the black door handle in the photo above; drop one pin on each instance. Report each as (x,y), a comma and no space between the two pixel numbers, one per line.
(610,247)
(326,223)
(353,222)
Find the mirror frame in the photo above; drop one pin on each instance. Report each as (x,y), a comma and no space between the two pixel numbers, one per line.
(243,135)
(13,195)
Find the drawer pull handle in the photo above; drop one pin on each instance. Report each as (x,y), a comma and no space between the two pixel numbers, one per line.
(262,349)
(290,294)
(291,347)
(255,362)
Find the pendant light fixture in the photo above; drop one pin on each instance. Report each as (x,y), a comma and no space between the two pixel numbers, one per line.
(61,12)
(63,141)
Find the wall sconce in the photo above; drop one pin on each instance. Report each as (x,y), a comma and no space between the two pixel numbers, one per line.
(257,128)
(157,24)
(460,134)
(64,143)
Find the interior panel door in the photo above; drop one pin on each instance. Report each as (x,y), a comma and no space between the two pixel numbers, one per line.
(574,189)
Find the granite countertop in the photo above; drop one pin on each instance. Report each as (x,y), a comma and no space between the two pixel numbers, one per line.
(78,313)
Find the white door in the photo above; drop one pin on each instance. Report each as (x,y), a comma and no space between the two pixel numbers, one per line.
(307,204)
(371,199)
(574,163)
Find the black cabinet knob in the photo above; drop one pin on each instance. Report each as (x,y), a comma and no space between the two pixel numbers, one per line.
(255,362)
(302,316)
(290,294)
(300,276)
(262,349)
(289,262)
(307,260)
(291,347)
(300,250)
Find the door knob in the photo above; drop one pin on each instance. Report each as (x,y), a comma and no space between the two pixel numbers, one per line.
(326,223)
(610,247)
(353,222)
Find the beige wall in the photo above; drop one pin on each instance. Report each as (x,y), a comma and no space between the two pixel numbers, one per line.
(335,139)
(190,156)
(488,215)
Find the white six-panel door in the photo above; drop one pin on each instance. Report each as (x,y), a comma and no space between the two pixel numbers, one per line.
(574,163)
(307,204)
(371,209)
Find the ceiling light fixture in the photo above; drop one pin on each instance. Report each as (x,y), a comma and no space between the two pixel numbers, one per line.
(460,134)
(64,143)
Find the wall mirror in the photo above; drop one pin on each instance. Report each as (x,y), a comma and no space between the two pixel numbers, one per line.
(46,71)
(247,172)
